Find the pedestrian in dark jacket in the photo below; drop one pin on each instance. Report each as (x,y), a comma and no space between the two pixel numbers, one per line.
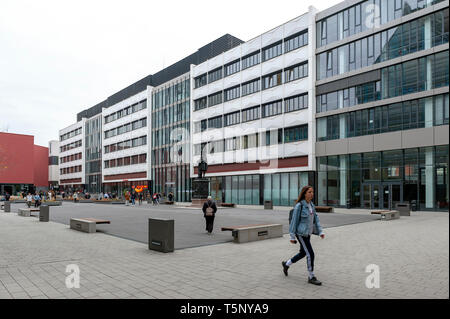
(209,212)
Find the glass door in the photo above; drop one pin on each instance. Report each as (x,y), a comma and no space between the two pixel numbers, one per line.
(366,196)
(386,197)
(376,196)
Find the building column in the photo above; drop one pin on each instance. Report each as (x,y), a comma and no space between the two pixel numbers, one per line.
(429,178)
(343,179)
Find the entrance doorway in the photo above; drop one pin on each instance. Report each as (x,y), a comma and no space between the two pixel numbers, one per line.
(381,195)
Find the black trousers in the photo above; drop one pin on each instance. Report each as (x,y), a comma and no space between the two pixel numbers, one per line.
(305,250)
(209,223)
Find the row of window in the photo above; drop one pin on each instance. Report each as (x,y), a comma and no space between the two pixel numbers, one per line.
(174,93)
(291,104)
(70,170)
(413,114)
(413,36)
(70,146)
(170,135)
(71,158)
(126,128)
(71,134)
(290,74)
(364,16)
(135,142)
(126,111)
(170,115)
(291,43)
(273,137)
(126,161)
(409,77)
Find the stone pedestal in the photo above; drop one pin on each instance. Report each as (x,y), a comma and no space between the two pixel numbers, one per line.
(200,191)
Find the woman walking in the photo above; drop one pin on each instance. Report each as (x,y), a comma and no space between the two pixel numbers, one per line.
(304,223)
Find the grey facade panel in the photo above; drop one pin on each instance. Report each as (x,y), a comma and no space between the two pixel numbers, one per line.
(387,141)
(321,149)
(348,82)
(441,135)
(361,144)
(337,147)
(418,137)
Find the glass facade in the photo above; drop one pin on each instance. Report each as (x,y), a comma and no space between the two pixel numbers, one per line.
(93,155)
(170,139)
(426,112)
(417,35)
(379,180)
(282,189)
(364,16)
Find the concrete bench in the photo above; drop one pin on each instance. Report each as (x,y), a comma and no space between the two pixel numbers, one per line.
(228,205)
(26,212)
(87,225)
(387,214)
(324,209)
(247,233)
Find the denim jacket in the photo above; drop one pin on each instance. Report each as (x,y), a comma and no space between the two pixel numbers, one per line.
(300,221)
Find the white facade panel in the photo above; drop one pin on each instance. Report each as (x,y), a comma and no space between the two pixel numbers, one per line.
(251,46)
(272,36)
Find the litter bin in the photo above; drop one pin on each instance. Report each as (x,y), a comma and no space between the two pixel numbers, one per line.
(44,213)
(268,204)
(403,208)
(7,207)
(414,205)
(161,234)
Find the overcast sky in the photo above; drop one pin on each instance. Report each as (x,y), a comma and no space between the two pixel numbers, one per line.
(58,58)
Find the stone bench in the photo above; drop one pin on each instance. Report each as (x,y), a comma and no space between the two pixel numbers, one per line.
(387,214)
(87,225)
(324,209)
(26,212)
(247,233)
(52,203)
(228,205)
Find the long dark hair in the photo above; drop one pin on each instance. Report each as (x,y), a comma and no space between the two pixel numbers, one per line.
(302,193)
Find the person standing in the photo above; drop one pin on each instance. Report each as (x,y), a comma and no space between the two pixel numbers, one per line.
(133,198)
(127,198)
(29,199)
(209,212)
(7,197)
(75,197)
(141,197)
(304,223)
(37,200)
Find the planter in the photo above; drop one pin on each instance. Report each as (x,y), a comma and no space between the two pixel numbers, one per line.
(52,203)
(117,202)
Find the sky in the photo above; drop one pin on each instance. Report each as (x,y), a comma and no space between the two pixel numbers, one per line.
(58,58)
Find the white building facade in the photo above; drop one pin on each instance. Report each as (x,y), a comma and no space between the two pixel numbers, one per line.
(252,116)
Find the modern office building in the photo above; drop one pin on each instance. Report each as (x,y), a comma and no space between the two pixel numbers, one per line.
(72,157)
(253,116)
(139,136)
(382,104)
(23,165)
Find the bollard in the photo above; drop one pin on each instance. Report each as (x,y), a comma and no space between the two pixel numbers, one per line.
(7,207)
(44,213)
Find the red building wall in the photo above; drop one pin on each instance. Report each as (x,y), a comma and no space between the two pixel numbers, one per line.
(22,162)
(40,166)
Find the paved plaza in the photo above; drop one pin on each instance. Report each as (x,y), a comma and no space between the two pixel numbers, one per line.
(412,254)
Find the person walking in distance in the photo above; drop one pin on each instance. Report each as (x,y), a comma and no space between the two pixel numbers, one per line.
(209,212)
(304,223)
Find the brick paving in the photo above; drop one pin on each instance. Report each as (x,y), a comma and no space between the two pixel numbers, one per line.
(412,253)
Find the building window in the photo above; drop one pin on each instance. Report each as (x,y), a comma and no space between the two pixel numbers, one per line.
(296,72)
(251,87)
(272,80)
(232,93)
(250,114)
(296,133)
(200,81)
(215,122)
(215,75)
(215,99)
(250,141)
(272,51)
(272,108)
(296,103)
(296,41)
(232,67)
(232,144)
(250,60)
(200,104)
(232,118)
